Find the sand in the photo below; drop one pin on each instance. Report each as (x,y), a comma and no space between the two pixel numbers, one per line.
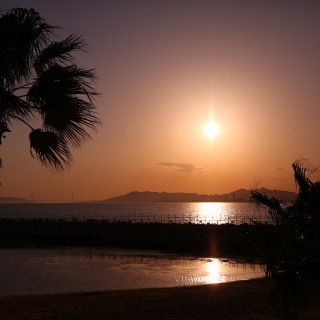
(234,300)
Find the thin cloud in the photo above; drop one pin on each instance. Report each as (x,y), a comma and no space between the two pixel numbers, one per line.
(184,167)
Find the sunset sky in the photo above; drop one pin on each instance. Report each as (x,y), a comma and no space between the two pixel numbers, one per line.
(166,68)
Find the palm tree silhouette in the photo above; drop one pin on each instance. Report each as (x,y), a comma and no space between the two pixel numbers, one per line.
(292,250)
(39,79)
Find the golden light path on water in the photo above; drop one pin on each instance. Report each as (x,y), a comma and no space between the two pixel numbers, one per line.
(214,272)
(218,270)
(213,211)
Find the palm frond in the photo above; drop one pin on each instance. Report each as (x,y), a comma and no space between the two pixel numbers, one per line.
(64,97)
(301,177)
(59,81)
(11,104)
(58,52)
(274,205)
(3,128)
(70,119)
(50,149)
(23,33)
(261,199)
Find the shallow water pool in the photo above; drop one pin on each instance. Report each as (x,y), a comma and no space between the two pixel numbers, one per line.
(57,270)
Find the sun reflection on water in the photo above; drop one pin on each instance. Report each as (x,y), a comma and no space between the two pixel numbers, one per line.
(214,272)
(208,211)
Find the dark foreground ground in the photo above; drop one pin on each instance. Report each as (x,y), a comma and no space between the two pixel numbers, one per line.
(238,300)
(235,300)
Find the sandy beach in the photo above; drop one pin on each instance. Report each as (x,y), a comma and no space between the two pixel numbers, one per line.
(234,300)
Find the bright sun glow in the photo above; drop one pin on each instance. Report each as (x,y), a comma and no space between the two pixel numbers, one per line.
(211,129)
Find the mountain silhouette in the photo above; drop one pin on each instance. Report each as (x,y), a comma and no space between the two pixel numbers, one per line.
(13,200)
(241,195)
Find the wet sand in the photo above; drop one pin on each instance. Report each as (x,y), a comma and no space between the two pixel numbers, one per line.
(248,299)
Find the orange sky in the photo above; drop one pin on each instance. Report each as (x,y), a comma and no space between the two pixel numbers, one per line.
(164,68)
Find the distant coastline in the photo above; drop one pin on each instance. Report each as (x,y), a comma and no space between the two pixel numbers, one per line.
(241,195)
(14,200)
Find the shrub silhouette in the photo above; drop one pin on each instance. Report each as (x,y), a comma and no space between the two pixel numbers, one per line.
(291,252)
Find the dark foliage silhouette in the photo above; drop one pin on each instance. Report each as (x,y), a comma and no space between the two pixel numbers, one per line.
(292,251)
(39,79)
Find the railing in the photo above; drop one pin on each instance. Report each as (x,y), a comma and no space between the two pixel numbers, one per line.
(143,218)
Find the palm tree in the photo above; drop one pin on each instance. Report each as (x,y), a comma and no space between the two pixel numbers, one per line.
(292,252)
(39,79)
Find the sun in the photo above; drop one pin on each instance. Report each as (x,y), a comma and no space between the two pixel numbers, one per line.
(211,129)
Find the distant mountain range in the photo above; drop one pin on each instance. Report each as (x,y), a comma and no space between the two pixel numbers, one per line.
(14,200)
(241,195)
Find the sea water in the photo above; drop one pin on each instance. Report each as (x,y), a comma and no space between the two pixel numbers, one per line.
(31,271)
(168,212)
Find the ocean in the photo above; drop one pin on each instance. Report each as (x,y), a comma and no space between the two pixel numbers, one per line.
(165,212)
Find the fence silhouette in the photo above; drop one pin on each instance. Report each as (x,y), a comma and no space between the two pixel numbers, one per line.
(144,218)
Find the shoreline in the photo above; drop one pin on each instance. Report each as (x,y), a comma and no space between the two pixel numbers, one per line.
(248,299)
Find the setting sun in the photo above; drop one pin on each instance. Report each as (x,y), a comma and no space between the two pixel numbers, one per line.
(211,129)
